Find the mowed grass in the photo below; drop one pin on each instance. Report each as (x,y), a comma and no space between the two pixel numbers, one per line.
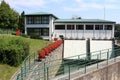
(7,71)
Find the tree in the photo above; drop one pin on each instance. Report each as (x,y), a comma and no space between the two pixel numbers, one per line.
(8,17)
(117,30)
(22,22)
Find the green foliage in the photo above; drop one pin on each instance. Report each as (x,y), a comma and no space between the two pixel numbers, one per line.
(22,22)
(117,30)
(13,50)
(35,37)
(8,17)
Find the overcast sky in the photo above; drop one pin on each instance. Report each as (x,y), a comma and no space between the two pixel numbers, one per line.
(88,9)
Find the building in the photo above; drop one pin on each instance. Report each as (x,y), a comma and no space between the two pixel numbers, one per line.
(48,26)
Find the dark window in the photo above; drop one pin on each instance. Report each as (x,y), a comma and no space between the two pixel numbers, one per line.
(37,19)
(59,27)
(79,27)
(70,27)
(89,27)
(108,27)
(98,27)
(45,19)
(38,31)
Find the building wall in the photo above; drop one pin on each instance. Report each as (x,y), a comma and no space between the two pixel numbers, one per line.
(50,26)
(74,47)
(79,47)
(80,34)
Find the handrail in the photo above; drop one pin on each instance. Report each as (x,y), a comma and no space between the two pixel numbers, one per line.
(45,67)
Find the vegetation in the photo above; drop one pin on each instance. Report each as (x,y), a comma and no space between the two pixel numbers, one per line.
(6,71)
(117,31)
(8,17)
(22,22)
(13,50)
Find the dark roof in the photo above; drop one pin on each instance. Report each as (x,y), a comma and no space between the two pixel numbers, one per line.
(82,21)
(40,13)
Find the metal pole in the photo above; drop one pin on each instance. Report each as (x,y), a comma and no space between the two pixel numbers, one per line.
(85,65)
(21,73)
(107,57)
(29,63)
(47,73)
(44,72)
(34,57)
(25,68)
(97,60)
(69,71)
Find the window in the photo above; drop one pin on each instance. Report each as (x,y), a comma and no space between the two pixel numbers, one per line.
(44,32)
(45,19)
(30,20)
(59,27)
(38,20)
(98,27)
(38,31)
(79,27)
(108,27)
(70,27)
(89,27)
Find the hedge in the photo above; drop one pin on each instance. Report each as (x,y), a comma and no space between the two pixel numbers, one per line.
(13,50)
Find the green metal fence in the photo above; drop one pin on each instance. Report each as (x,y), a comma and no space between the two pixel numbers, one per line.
(32,69)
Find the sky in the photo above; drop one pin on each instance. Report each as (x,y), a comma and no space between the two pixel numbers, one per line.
(66,9)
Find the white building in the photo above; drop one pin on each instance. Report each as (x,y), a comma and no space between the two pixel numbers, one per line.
(49,27)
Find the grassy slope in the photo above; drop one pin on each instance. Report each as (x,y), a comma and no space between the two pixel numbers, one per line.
(7,71)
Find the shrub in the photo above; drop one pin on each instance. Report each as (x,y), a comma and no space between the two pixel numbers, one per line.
(13,51)
(36,37)
(48,49)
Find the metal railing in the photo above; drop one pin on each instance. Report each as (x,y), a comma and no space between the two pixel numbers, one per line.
(64,68)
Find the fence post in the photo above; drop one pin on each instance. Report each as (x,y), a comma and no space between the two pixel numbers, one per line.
(100,54)
(107,56)
(85,65)
(34,57)
(47,73)
(29,63)
(69,72)
(97,60)
(44,72)
(25,68)
(114,56)
(21,73)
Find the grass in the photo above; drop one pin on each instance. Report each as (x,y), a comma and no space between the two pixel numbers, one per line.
(7,71)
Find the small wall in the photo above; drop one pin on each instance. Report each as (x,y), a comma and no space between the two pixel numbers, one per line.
(78,47)
(111,72)
(74,47)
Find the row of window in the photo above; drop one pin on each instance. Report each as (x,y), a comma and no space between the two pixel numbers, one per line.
(38,31)
(81,27)
(37,20)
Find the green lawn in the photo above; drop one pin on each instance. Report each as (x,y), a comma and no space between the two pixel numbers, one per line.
(7,71)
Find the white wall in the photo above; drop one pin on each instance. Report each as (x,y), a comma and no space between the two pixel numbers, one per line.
(97,45)
(78,47)
(74,34)
(74,47)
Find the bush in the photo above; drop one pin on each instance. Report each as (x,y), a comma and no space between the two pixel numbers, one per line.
(36,37)
(13,51)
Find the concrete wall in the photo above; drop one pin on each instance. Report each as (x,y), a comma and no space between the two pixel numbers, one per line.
(111,72)
(78,47)
(74,47)
(97,45)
